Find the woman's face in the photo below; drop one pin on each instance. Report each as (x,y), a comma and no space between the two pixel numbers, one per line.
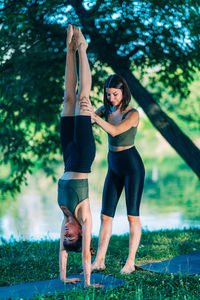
(72,231)
(114,96)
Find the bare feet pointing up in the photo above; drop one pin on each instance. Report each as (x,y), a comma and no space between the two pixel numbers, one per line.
(79,38)
(71,44)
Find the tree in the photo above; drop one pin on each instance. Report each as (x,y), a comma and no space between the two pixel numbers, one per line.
(165,47)
(123,34)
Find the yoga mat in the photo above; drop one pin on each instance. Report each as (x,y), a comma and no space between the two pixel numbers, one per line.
(188,264)
(48,287)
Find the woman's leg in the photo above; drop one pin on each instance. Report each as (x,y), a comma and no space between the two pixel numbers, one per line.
(134,241)
(85,79)
(133,189)
(112,190)
(70,76)
(104,238)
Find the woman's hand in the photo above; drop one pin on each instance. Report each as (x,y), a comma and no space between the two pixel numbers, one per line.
(70,280)
(86,106)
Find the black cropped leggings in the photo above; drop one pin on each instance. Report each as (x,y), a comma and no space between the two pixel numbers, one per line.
(125,169)
(78,145)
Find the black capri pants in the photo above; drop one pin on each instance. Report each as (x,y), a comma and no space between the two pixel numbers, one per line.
(125,169)
(78,145)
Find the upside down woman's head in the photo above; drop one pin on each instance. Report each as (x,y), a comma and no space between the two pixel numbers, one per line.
(116,92)
(72,236)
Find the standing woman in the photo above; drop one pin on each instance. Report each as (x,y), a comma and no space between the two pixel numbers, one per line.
(78,148)
(125,166)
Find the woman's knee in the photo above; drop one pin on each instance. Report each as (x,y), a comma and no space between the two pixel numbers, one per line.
(134,219)
(71,99)
(106,219)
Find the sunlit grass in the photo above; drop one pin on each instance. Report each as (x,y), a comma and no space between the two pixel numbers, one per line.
(34,261)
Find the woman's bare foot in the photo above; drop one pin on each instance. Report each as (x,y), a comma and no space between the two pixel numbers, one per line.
(98,266)
(79,38)
(71,44)
(128,268)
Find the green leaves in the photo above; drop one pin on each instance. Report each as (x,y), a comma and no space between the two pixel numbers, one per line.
(160,37)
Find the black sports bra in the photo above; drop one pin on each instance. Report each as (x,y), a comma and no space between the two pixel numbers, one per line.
(125,138)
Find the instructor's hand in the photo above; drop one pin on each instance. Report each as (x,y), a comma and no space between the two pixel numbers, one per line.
(86,105)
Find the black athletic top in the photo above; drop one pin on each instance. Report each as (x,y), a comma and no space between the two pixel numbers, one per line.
(125,138)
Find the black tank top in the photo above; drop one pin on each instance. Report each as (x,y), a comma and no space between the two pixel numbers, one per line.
(125,138)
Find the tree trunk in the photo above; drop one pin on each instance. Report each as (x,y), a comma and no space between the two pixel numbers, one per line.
(164,124)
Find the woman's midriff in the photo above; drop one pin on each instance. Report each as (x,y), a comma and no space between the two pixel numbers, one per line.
(74,175)
(119,148)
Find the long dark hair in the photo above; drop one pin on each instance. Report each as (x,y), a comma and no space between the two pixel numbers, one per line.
(117,82)
(75,247)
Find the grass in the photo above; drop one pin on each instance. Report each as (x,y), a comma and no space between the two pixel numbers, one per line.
(26,261)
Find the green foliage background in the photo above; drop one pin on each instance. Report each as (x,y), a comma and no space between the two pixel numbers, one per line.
(158,41)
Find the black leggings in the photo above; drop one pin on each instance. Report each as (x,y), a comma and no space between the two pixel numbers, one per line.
(125,169)
(78,143)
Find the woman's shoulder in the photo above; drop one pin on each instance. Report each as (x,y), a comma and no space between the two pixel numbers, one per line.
(130,111)
(132,114)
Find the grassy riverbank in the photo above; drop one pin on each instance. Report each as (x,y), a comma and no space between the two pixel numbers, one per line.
(33,261)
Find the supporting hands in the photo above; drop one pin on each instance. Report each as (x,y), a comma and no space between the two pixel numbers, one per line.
(86,106)
(63,261)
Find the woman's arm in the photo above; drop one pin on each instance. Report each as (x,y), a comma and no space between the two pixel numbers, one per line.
(100,111)
(86,223)
(85,218)
(131,120)
(86,255)
(62,255)
(63,259)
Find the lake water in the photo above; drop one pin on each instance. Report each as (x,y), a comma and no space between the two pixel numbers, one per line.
(35,214)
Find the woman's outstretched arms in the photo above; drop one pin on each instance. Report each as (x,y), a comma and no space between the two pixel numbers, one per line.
(84,214)
(100,112)
(131,120)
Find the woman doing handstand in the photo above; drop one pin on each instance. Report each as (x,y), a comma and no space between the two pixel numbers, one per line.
(78,148)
